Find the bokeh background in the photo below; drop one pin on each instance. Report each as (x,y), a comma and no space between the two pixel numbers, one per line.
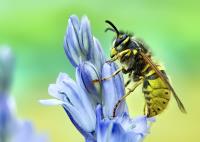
(35,30)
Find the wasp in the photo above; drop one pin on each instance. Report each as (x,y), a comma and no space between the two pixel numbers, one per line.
(136,61)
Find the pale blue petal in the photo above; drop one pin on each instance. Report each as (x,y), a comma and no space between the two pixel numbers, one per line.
(110,131)
(103,131)
(72,60)
(85,74)
(72,42)
(113,90)
(80,100)
(53,90)
(72,45)
(80,45)
(99,114)
(126,122)
(74,100)
(81,117)
(102,125)
(86,37)
(116,133)
(109,94)
(119,81)
(141,125)
(137,126)
(130,137)
(113,130)
(80,129)
(96,55)
(75,22)
(51,102)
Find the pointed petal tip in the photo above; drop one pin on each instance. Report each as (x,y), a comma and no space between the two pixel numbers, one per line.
(85,18)
(73,17)
(51,102)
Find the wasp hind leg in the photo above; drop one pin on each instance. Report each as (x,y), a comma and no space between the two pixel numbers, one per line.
(145,109)
(127,82)
(124,97)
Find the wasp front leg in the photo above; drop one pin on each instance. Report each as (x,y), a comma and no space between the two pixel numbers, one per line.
(126,53)
(112,75)
(113,59)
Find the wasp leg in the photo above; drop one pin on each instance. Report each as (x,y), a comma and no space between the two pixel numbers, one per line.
(145,106)
(113,59)
(126,52)
(112,75)
(127,82)
(124,97)
(129,79)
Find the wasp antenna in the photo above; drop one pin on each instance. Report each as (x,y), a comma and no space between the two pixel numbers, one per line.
(113,26)
(109,29)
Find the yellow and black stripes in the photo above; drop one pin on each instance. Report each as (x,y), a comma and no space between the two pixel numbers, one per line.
(156,93)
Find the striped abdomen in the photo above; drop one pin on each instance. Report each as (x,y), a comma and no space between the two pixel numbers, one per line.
(156,93)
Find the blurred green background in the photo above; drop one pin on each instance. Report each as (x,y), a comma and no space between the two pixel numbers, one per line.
(35,30)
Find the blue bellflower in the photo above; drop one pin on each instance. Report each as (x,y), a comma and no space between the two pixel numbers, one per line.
(90,105)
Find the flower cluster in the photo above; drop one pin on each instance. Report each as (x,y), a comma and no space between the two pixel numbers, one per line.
(90,105)
(12,129)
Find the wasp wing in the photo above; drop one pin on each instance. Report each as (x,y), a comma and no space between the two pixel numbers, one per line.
(164,79)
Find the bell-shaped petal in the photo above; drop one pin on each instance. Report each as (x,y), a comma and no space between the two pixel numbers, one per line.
(75,102)
(85,74)
(112,91)
(80,45)
(139,125)
(111,131)
(121,128)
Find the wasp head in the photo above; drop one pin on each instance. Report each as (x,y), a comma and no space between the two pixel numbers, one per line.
(121,40)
